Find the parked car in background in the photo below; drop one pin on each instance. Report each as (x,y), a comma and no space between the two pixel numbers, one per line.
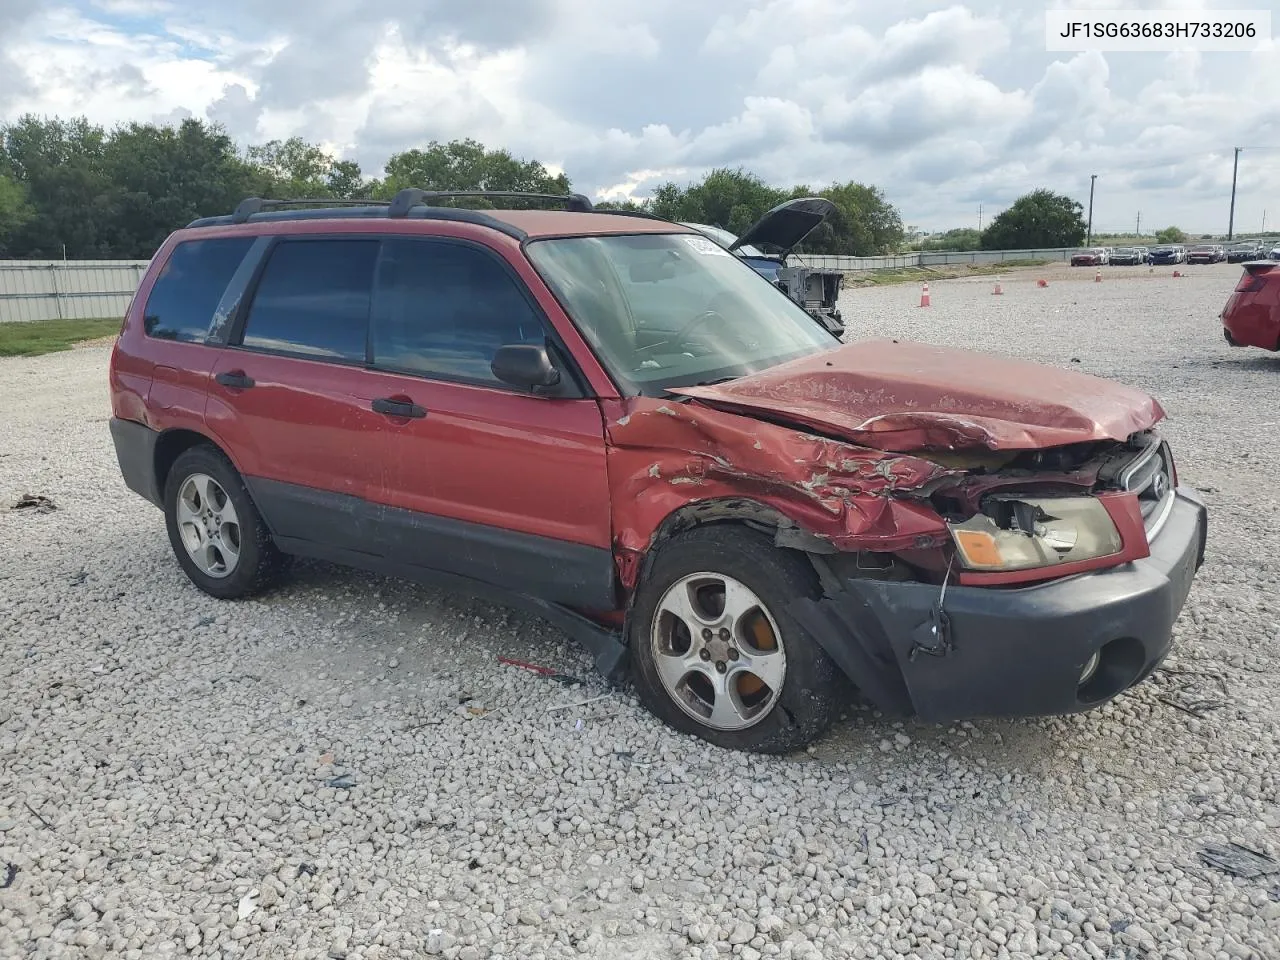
(612,422)
(1093,257)
(1169,253)
(1207,253)
(766,245)
(1144,254)
(1251,317)
(1246,250)
(1274,253)
(1126,257)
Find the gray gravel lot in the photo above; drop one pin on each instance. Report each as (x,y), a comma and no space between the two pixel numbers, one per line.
(343,769)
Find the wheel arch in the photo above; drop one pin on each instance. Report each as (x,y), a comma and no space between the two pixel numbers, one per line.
(740,511)
(173,443)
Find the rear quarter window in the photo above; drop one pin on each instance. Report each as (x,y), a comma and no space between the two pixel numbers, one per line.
(191,283)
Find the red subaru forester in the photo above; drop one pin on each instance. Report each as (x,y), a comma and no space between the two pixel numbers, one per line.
(611,421)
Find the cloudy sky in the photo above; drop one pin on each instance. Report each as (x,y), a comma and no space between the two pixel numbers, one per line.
(945,106)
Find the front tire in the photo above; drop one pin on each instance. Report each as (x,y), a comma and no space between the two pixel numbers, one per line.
(715,653)
(215,530)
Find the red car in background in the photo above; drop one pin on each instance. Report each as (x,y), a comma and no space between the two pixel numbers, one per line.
(1251,317)
(1095,257)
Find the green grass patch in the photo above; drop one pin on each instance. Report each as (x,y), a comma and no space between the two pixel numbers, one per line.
(34,337)
(955,271)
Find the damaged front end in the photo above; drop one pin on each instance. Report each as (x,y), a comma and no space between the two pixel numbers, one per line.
(1058,590)
(961,581)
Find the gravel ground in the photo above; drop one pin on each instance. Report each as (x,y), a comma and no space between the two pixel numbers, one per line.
(343,768)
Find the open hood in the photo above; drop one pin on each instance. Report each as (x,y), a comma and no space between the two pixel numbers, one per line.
(909,397)
(783,227)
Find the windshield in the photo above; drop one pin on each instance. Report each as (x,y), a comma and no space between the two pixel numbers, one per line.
(665,310)
(1125,251)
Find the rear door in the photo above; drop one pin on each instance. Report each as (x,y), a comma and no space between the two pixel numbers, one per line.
(483,480)
(289,394)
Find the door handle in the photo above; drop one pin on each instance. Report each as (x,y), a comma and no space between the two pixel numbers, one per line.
(394,407)
(235,378)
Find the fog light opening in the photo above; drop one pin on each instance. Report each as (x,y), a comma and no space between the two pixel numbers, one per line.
(1112,669)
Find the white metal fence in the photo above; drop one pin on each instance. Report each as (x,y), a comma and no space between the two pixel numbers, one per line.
(933,258)
(67,289)
(80,289)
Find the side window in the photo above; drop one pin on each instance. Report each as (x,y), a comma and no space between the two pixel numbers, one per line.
(444,309)
(313,299)
(185,295)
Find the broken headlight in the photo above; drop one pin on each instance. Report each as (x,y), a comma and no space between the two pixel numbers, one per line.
(1016,533)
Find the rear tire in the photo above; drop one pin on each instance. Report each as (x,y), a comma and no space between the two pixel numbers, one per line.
(215,529)
(715,653)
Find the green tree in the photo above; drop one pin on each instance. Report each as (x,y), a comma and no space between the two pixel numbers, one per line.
(730,199)
(628,204)
(1170,235)
(467,165)
(59,163)
(295,170)
(1037,219)
(960,238)
(864,222)
(165,177)
(15,211)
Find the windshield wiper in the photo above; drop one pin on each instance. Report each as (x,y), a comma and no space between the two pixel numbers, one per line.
(712,383)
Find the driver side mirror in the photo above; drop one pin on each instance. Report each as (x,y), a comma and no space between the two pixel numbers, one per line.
(524,365)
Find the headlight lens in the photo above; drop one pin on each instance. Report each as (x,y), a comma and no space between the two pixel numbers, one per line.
(1017,533)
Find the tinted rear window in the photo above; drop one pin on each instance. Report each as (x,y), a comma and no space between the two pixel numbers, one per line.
(181,304)
(313,299)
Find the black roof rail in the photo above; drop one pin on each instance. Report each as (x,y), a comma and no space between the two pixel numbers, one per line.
(247,207)
(412,197)
(642,214)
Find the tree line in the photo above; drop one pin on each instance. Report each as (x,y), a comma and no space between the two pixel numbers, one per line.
(70,187)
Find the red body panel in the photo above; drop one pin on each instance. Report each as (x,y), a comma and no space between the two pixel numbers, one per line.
(1252,317)
(303,422)
(912,396)
(665,455)
(525,463)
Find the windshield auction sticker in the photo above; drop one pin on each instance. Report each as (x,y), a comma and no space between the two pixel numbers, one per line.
(708,248)
(1138,31)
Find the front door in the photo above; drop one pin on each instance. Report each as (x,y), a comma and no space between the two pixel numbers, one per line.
(483,480)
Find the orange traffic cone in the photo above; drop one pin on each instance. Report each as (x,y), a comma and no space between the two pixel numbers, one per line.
(1042,283)
(1097,277)
(998,290)
(924,295)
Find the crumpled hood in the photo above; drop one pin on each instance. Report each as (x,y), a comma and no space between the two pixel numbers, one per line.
(905,397)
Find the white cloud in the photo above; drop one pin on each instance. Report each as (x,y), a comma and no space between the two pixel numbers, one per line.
(944,105)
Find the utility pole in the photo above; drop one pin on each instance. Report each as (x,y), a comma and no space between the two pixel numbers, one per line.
(1138,227)
(979,218)
(1089,239)
(1231,221)
(1264,220)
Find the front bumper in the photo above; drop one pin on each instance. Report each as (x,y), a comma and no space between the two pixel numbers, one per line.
(1012,651)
